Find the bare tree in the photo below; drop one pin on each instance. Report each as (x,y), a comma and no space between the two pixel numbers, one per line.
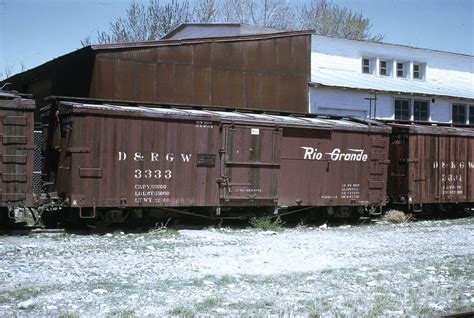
(151,22)
(173,14)
(205,11)
(86,41)
(144,23)
(7,70)
(327,18)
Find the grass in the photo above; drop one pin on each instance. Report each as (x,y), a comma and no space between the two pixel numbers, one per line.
(398,217)
(182,311)
(266,223)
(207,304)
(19,294)
(127,313)
(162,229)
(68,315)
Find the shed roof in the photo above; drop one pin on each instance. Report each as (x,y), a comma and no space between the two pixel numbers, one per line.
(215,29)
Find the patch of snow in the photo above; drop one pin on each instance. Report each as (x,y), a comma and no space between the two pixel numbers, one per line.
(27,304)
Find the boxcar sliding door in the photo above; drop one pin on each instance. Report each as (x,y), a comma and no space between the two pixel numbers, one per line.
(250,164)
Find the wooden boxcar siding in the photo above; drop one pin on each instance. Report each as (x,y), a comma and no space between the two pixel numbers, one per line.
(261,74)
(97,172)
(432,167)
(16,152)
(441,169)
(326,182)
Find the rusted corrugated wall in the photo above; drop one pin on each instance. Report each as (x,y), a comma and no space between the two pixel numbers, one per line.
(261,72)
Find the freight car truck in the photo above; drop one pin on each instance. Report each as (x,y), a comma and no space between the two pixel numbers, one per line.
(119,163)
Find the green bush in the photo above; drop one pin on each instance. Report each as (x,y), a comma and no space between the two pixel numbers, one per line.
(266,223)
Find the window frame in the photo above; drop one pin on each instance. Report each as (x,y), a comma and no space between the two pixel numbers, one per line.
(418,71)
(401,111)
(385,68)
(366,66)
(471,115)
(458,105)
(419,112)
(400,70)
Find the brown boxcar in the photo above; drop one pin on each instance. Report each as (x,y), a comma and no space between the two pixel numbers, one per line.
(16,151)
(431,167)
(136,159)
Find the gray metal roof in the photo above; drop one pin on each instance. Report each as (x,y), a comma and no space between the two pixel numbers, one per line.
(203,30)
(241,117)
(355,80)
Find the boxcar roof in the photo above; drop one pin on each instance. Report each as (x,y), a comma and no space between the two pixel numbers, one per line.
(435,130)
(11,99)
(325,122)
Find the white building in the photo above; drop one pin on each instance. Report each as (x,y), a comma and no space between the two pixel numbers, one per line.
(378,80)
(408,83)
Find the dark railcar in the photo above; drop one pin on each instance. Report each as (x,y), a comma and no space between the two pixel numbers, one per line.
(431,167)
(116,162)
(17,154)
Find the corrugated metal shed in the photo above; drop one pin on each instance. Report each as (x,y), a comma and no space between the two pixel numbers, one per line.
(265,71)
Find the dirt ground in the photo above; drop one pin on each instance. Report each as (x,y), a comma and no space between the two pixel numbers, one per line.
(378,269)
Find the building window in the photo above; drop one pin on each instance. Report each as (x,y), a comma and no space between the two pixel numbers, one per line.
(400,72)
(365,65)
(383,68)
(421,110)
(402,109)
(459,114)
(471,115)
(416,71)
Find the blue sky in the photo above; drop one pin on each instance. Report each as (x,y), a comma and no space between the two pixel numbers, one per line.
(35,31)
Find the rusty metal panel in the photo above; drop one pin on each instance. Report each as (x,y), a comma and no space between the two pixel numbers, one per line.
(126,80)
(252,56)
(146,87)
(267,50)
(184,84)
(284,95)
(267,90)
(431,165)
(104,69)
(252,90)
(220,55)
(146,71)
(220,88)
(236,84)
(285,55)
(202,88)
(332,168)
(205,73)
(165,83)
(16,150)
(201,54)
